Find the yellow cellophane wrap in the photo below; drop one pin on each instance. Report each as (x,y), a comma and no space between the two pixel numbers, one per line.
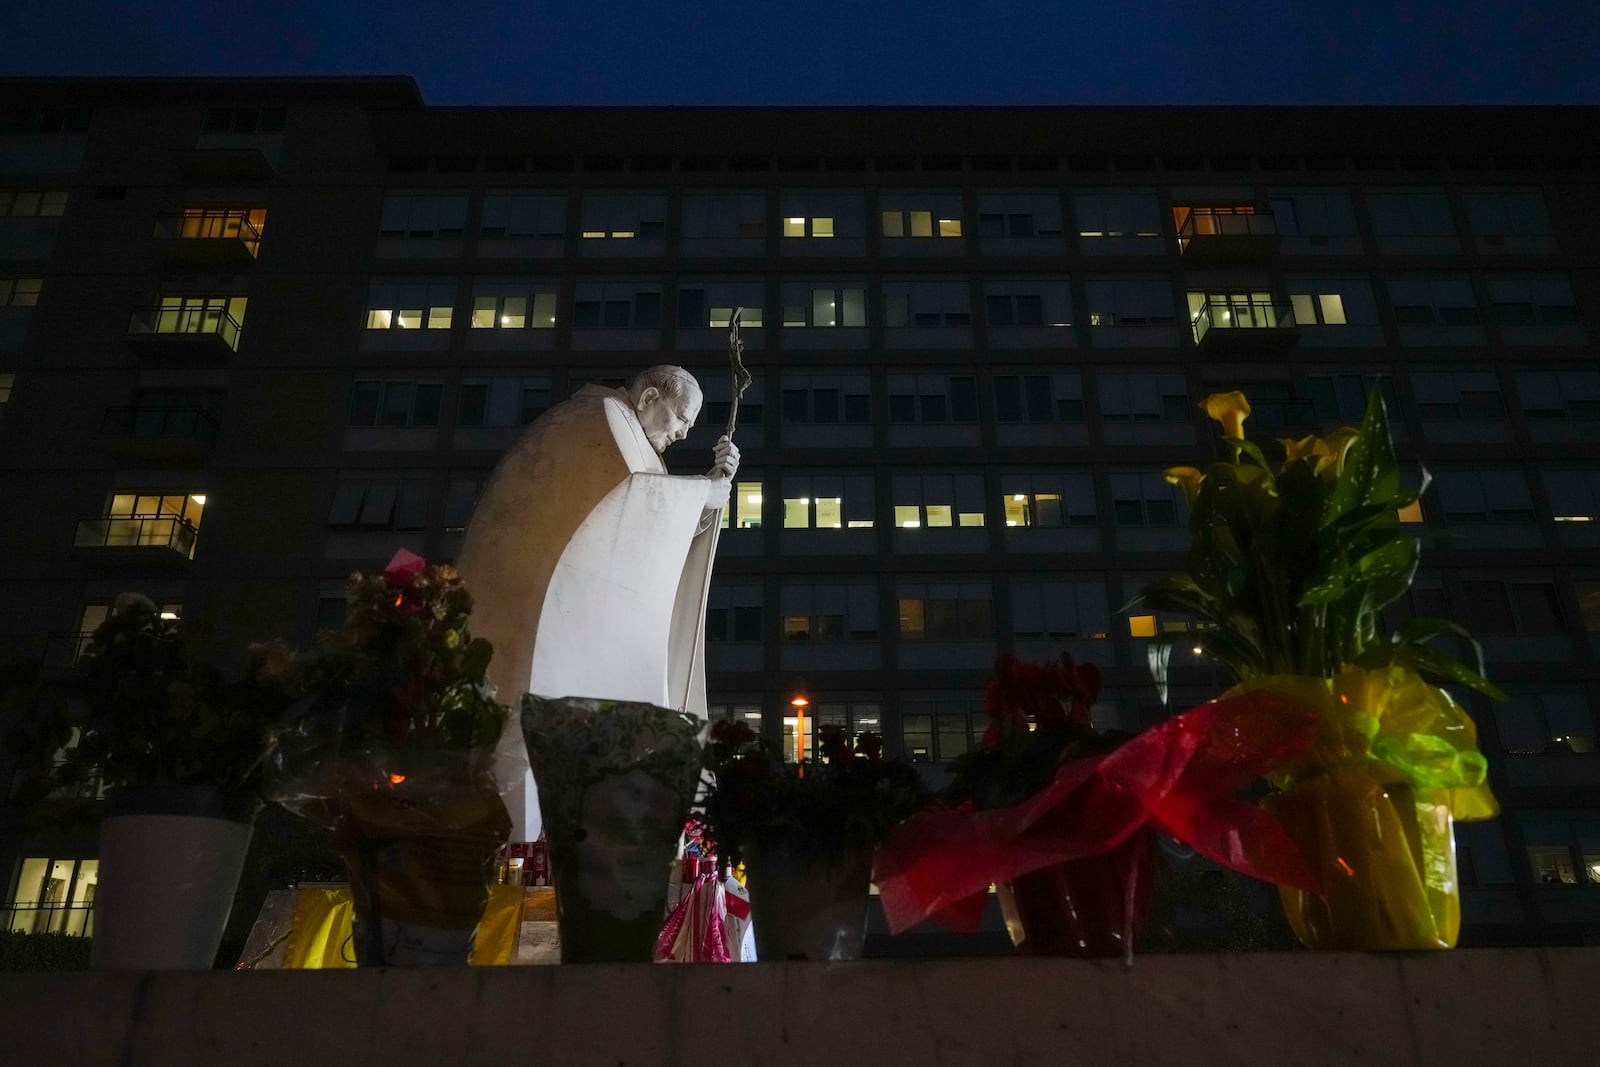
(321,928)
(1372,807)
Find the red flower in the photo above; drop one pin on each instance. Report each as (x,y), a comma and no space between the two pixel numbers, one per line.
(1053,696)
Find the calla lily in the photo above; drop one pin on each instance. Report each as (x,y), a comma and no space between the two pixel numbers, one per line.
(1305,448)
(1187,477)
(1229,409)
(1338,444)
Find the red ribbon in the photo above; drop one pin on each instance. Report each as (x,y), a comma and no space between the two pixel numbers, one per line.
(1178,777)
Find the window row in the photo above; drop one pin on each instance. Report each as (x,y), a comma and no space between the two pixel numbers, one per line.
(1469,395)
(1117,221)
(1421,303)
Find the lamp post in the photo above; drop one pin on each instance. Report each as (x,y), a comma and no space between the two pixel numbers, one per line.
(799,702)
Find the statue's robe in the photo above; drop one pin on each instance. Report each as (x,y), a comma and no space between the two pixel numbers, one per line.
(588,567)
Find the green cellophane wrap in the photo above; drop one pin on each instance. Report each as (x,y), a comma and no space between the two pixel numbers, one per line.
(615,780)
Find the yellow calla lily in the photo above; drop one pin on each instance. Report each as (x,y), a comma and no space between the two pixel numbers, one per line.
(1338,444)
(1305,448)
(1229,409)
(1188,477)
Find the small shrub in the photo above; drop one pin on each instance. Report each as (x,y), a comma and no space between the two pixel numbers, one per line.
(42,952)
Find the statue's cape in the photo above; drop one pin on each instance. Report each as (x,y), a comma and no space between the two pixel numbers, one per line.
(587,565)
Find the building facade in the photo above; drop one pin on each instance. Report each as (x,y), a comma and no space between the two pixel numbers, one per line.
(255,334)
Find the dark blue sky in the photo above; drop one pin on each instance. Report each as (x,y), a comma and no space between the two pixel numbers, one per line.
(861,52)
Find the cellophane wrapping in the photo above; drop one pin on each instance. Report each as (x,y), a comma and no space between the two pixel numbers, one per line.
(1372,805)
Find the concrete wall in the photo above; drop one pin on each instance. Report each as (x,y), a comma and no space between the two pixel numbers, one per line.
(1465,1007)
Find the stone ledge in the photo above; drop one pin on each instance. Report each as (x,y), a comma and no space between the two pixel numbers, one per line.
(1463,1007)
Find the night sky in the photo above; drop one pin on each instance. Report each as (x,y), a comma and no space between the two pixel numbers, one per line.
(862,52)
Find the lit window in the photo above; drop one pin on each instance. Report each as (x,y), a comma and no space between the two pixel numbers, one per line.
(624,216)
(513,304)
(8,381)
(31,203)
(410,305)
(830,611)
(827,501)
(938,500)
(54,896)
(820,306)
(19,292)
(744,507)
(945,611)
(709,304)
(1048,499)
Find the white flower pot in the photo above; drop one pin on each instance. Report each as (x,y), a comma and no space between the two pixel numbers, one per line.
(170,859)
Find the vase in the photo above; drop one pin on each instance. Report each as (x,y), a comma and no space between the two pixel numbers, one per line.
(809,908)
(1095,906)
(421,854)
(170,860)
(615,781)
(1384,854)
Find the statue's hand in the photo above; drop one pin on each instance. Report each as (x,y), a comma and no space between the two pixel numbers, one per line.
(717,491)
(725,458)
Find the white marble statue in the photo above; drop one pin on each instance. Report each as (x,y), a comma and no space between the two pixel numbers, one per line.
(588,563)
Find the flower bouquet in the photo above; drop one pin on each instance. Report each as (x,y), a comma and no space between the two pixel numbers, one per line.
(1059,817)
(391,747)
(805,832)
(1290,567)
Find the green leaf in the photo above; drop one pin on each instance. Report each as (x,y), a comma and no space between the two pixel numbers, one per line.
(1371,470)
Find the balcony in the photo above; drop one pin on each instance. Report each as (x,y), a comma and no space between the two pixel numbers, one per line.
(184,332)
(1225,236)
(125,538)
(210,240)
(1245,328)
(158,436)
(231,159)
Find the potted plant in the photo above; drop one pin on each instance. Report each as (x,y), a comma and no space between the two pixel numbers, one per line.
(806,832)
(392,748)
(1290,567)
(177,752)
(1060,816)
(615,782)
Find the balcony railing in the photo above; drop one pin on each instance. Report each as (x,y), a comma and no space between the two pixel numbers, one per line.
(209,238)
(136,531)
(63,649)
(75,919)
(1223,235)
(1233,315)
(168,321)
(182,423)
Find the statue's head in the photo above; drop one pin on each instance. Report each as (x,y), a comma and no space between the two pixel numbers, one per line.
(667,401)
